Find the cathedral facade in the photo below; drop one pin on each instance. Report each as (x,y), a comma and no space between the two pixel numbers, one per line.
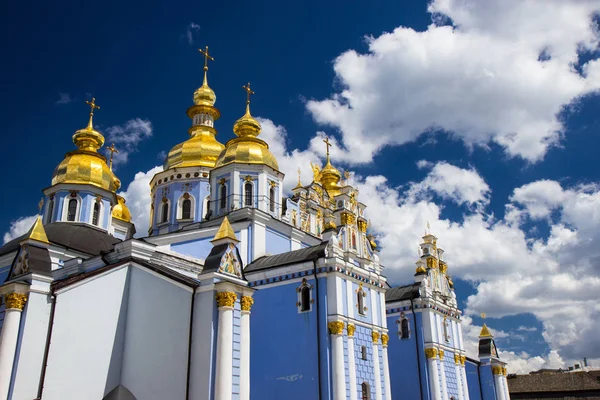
(238,290)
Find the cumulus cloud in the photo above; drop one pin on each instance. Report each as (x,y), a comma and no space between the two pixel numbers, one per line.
(190,30)
(138,200)
(127,137)
(476,79)
(19,227)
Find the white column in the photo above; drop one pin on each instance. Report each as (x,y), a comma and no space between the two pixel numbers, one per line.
(352,362)
(463,370)
(15,302)
(336,328)
(247,302)
(443,373)
(223,381)
(505,382)
(375,336)
(434,382)
(386,367)
(459,377)
(497,371)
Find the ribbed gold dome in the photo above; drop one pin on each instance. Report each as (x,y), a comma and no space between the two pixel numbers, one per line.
(330,177)
(201,150)
(204,95)
(120,210)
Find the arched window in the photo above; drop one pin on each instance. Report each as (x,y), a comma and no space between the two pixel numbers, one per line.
(272,199)
(72,210)
(164,215)
(404,329)
(248,194)
(363,352)
(305,299)
(366,391)
(360,302)
(186,209)
(223,199)
(96,213)
(50,210)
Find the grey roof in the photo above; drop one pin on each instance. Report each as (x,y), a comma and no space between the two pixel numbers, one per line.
(290,257)
(72,235)
(38,261)
(552,382)
(120,393)
(405,292)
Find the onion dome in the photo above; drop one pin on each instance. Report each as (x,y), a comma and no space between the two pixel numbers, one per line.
(247,148)
(330,176)
(85,165)
(120,210)
(201,149)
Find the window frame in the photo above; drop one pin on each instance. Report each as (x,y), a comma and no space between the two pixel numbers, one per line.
(272,195)
(300,290)
(164,216)
(65,211)
(97,214)
(402,332)
(223,197)
(248,199)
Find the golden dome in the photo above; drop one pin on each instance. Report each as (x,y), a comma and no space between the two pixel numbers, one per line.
(247,148)
(421,270)
(204,95)
(120,210)
(330,177)
(201,150)
(85,165)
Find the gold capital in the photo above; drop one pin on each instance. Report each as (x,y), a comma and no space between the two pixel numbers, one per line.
(456,358)
(375,336)
(351,328)
(504,371)
(431,353)
(463,359)
(226,299)
(441,353)
(384,340)
(336,327)
(497,370)
(247,302)
(15,301)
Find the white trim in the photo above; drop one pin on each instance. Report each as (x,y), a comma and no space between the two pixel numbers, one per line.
(180,201)
(162,221)
(65,213)
(299,289)
(100,212)
(251,183)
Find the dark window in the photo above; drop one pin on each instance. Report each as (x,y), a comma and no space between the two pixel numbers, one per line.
(361,302)
(272,199)
(186,209)
(353,240)
(72,210)
(96,213)
(404,331)
(50,211)
(363,352)
(223,196)
(248,194)
(305,299)
(165,212)
(366,392)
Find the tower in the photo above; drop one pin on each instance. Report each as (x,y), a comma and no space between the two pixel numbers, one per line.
(246,173)
(493,370)
(84,187)
(181,193)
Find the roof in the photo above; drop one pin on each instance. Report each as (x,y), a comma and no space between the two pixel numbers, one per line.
(290,257)
(405,292)
(485,332)
(553,382)
(225,231)
(38,261)
(72,235)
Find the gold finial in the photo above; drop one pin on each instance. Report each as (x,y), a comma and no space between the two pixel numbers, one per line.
(93,106)
(112,150)
(41,205)
(207,57)
(299,183)
(482,315)
(328,144)
(248,92)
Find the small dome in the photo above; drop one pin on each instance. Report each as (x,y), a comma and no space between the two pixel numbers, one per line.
(120,211)
(247,150)
(204,96)
(201,150)
(421,270)
(85,167)
(247,125)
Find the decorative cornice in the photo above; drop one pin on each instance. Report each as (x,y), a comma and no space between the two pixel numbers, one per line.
(247,302)
(431,353)
(375,336)
(336,327)
(350,328)
(384,340)
(226,299)
(15,301)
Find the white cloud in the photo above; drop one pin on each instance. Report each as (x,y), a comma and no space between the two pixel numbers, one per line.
(126,138)
(138,200)
(524,328)
(19,227)
(480,79)
(64,98)
(190,30)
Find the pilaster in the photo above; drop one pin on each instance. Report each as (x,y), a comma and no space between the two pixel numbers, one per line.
(386,367)
(246,304)
(375,336)
(432,364)
(351,361)
(223,377)
(336,329)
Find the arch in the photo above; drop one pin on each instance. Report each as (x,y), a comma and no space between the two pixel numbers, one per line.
(272,199)
(205,208)
(96,212)
(186,206)
(365,391)
(305,299)
(164,211)
(223,197)
(404,329)
(248,192)
(353,240)
(72,208)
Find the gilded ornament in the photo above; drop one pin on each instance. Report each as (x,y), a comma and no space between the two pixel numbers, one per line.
(497,370)
(375,336)
(441,354)
(336,327)
(247,303)
(456,359)
(431,353)
(248,178)
(362,226)
(15,301)
(443,267)
(222,181)
(504,372)
(432,262)
(347,218)
(462,360)
(226,299)
(384,339)
(351,329)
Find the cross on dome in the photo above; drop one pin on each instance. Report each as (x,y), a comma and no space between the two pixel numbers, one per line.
(248,92)
(112,150)
(207,57)
(93,106)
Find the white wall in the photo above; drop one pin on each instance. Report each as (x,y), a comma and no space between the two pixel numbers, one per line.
(84,361)
(156,339)
(203,343)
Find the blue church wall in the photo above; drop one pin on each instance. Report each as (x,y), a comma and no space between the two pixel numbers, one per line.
(451,379)
(287,338)
(486,380)
(324,342)
(473,383)
(277,243)
(364,368)
(199,248)
(402,359)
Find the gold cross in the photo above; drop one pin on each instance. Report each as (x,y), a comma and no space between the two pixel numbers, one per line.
(92,105)
(112,150)
(206,57)
(248,91)
(41,204)
(299,172)
(328,144)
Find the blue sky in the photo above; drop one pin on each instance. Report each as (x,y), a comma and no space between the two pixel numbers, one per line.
(444,111)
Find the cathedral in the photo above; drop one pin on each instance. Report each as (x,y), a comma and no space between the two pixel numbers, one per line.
(238,290)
